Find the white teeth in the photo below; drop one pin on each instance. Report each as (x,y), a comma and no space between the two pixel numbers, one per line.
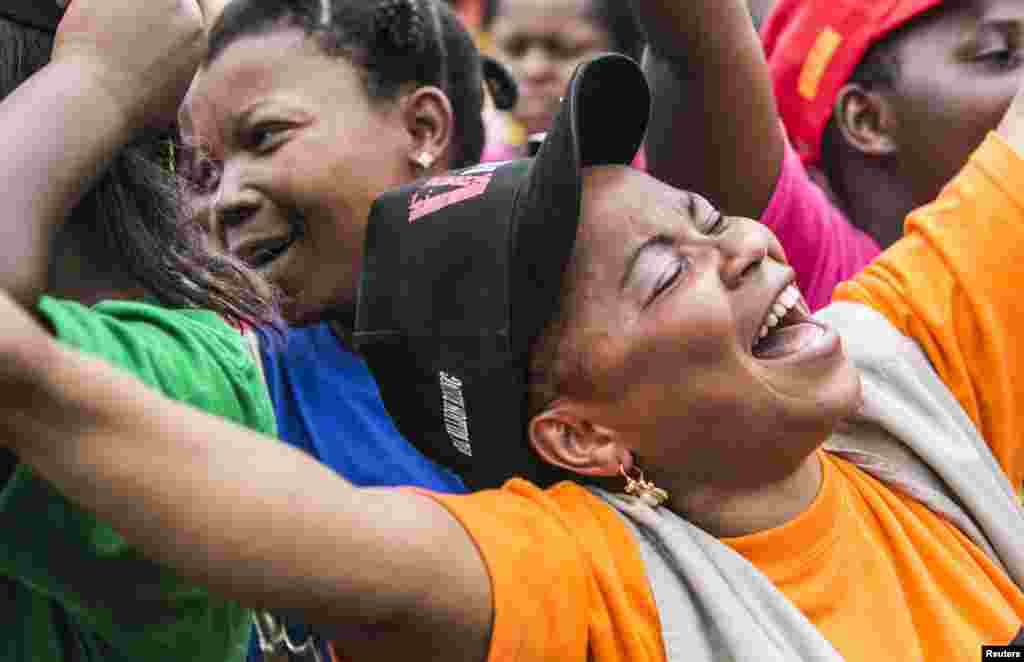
(790,296)
(786,300)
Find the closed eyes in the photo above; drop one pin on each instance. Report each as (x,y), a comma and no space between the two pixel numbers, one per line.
(667,279)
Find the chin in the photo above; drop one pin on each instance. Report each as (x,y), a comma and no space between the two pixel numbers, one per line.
(847,392)
(298,312)
(838,400)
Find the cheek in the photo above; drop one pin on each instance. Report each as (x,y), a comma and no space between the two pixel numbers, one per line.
(688,353)
(340,180)
(960,110)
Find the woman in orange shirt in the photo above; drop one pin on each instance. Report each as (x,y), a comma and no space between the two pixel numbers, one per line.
(831,487)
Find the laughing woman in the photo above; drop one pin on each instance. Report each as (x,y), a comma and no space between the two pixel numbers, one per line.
(820,477)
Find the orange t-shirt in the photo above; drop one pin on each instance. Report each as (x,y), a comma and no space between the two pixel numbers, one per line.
(951,285)
(880,575)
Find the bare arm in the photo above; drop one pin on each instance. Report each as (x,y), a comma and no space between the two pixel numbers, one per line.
(387,572)
(714,125)
(59,133)
(61,128)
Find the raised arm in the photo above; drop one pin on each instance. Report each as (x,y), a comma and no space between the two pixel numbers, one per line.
(255,520)
(714,127)
(953,283)
(61,128)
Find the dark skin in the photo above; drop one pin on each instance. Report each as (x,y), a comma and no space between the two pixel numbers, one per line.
(956,71)
(669,286)
(542,42)
(100,97)
(104,84)
(957,74)
(366,565)
(301,151)
(97,98)
(691,143)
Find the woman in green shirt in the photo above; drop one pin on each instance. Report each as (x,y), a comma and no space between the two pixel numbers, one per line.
(89,214)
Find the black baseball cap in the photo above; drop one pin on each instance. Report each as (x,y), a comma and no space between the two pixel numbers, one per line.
(463,271)
(40,14)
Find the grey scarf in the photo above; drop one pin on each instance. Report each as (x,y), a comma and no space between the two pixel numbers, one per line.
(911,434)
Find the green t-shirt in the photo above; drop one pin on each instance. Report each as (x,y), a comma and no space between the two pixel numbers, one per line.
(74,590)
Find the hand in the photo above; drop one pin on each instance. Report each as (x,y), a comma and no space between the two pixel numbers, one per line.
(143,53)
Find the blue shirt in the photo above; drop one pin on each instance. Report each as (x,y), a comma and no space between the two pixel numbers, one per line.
(327,404)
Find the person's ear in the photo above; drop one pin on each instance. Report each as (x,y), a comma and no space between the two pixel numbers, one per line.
(865,120)
(430,122)
(563,436)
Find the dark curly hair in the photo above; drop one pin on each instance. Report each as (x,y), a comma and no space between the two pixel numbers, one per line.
(394,42)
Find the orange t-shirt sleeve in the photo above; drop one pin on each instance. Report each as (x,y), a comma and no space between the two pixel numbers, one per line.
(567,579)
(955,284)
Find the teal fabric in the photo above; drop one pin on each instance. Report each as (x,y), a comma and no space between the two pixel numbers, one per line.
(73,590)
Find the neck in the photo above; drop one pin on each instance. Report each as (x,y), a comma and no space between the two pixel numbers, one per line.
(73,279)
(875,202)
(342,321)
(734,512)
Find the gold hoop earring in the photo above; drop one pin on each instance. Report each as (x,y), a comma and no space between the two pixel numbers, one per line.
(424,160)
(642,489)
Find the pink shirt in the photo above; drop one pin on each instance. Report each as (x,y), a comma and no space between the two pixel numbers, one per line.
(821,244)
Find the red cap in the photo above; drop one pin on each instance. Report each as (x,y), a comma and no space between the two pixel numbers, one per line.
(813,46)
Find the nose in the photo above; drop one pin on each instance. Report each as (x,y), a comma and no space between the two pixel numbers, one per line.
(538,65)
(234,204)
(744,248)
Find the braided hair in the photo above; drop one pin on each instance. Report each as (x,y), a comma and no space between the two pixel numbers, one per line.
(394,42)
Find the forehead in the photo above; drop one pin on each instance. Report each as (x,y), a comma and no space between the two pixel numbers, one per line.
(621,209)
(256,59)
(521,14)
(950,22)
(279,64)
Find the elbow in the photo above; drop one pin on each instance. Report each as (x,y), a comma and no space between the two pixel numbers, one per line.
(27,351)
(22,285)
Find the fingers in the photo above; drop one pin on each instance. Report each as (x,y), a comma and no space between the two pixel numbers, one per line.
(210,9)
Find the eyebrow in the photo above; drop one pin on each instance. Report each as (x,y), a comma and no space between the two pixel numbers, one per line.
(654,241)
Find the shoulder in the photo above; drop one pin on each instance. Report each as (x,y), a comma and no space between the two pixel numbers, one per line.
(567,577)
(566,525)
(190,355)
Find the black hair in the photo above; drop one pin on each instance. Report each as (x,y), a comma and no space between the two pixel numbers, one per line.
(615,17)
(127,229)
(393,42)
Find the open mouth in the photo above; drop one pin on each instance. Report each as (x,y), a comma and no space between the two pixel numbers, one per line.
(262,253)
(787,327)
